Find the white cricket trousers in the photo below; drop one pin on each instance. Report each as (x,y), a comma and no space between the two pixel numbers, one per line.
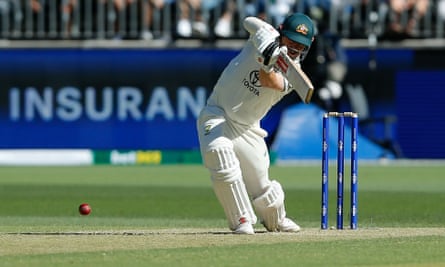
(242,144)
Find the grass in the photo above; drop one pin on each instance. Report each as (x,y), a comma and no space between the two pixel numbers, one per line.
(169,216)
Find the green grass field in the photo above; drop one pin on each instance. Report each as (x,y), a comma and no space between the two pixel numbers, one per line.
(168,216)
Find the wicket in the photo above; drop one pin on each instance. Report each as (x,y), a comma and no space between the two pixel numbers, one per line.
(340,169)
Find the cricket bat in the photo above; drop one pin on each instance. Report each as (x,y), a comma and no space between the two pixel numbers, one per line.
(299,81)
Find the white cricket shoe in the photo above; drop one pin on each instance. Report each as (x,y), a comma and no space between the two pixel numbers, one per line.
(287,225)
(244,229)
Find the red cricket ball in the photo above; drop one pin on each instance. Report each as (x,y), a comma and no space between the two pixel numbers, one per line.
(84,209)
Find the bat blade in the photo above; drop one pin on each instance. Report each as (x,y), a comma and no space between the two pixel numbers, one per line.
(299,81)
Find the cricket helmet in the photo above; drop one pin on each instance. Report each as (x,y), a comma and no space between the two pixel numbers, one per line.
(299,28)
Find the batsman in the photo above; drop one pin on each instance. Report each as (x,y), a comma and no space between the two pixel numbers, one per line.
(231,139)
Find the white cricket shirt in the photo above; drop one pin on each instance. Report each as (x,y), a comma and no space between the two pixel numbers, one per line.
(238,90)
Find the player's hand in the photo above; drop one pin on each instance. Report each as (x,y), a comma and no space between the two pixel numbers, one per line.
(265,36)
(270,56)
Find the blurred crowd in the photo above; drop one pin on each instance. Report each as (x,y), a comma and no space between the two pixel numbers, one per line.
(156,19)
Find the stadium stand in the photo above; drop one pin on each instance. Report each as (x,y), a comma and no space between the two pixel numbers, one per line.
(157,20)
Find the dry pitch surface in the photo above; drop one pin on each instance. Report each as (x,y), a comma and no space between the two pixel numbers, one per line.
(30,243)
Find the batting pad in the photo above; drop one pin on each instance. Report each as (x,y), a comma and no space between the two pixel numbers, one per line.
(235,202)
(229,186)
(270,206)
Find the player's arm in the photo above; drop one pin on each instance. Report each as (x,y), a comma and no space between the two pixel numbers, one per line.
(273,80)
(264,38)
